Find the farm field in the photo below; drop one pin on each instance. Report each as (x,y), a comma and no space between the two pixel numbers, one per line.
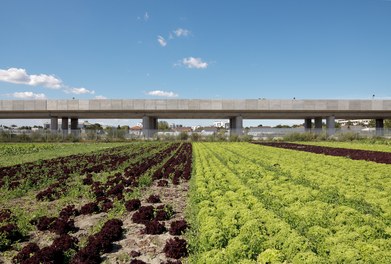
(16,153)
(352,145)
(253,203)
(114,205)
(355,154)
(173,202)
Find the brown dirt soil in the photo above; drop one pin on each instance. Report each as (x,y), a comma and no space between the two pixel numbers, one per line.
(150,247)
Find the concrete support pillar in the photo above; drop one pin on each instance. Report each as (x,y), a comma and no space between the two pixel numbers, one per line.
(307,124)
(74,124)
(54,124)
(380,127)
(150,126)
(236,125)
(318,124)
(330,125)
(64,125)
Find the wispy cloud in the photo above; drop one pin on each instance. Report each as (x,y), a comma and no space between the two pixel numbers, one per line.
(194,63)
(20,76)
(145,17)
(181,32)
(162,93)
(27,95)
(161,41)
(79,91)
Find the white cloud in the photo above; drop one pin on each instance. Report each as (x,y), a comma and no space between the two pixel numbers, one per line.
(162,93)
(20,76)
(146,16)
(28,95)
(161,41)
(181,32)
(194,63)
(79,91)
(100,97)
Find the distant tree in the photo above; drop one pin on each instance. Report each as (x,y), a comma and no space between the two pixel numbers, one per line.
(125,127)
(163,125)
(183,136)
(95,126)
(387,123)
(25,128)
(195,136)
(372,123)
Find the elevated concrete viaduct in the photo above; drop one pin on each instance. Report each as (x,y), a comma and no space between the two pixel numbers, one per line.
(234,110)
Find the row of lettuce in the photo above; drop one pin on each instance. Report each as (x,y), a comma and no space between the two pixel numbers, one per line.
(252,203)
(108,181)
(383,146)
(248,203)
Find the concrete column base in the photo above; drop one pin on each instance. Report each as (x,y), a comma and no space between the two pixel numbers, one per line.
(380,127)
(330,125)
(54,124)
(64,125)
(307,125)
(150,126)
(74,125)
(318,125)
(236,125)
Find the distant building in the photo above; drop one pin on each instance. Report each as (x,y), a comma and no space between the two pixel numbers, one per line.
(136,130)
(221,124)
(206,131)
(353,122)
(183,129)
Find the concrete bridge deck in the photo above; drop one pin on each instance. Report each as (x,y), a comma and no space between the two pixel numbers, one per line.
(194,108)
(235,110)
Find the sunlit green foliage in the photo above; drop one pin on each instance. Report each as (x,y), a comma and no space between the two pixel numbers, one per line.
(257,203)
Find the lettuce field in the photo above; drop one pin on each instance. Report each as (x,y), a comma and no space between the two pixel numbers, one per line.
(203,202)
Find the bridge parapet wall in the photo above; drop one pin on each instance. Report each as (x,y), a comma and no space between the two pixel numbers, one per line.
(195,104)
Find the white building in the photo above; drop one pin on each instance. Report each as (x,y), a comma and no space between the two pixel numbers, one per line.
(353,122)
(223,124)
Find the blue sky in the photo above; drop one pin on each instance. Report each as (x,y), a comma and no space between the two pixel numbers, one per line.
(195,49)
